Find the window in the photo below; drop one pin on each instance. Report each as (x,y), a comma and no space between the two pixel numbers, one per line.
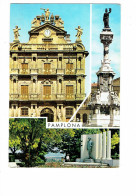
(69,111)
(24,92)
(47,92)
(24,111)
(69,92)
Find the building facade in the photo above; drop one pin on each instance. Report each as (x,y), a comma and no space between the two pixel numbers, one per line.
(47,74)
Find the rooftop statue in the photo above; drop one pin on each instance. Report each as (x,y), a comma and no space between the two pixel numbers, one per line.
(61,21)
(16,33)
(79,32)
(47,13)
(35,22)
(106,18)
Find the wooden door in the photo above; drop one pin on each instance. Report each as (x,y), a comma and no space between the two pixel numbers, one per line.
(69,68)
(24,68)
(47,68)
(69,92)
(24,92)
(47,92)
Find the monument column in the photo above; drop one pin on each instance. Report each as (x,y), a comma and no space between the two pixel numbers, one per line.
(108,145)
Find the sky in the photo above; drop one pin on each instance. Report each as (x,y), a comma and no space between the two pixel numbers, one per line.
(97,47)
(73,15)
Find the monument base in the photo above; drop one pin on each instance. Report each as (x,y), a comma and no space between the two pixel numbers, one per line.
(88,160)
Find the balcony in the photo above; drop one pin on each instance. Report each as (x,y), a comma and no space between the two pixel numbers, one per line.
(47,71)
(36,96)
(14,97)
(24,71)
(14,71)
(80,71)
(70,96)
(80,96)
(34,71)
(70,72)
(60,71)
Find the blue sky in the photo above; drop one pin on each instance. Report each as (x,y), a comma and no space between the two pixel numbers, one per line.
(73,15)
(97,47)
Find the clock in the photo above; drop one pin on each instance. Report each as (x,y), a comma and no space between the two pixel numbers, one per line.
(47,32)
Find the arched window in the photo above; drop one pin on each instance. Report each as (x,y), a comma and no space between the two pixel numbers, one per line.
(77,117)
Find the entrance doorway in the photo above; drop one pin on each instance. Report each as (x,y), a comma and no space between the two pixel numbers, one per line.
(47,112)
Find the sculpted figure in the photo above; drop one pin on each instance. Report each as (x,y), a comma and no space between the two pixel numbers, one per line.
(34,22)
(79,32)
(106,18)
(89,146)
(16,33)
(47,13)
(61,21)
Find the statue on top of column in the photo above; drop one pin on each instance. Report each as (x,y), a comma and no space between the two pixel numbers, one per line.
(47,13)
(106,18)
(16,33)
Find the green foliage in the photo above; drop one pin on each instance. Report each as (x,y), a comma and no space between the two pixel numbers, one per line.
(114,140)
(28,135)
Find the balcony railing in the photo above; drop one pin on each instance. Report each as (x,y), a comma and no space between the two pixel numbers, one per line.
(14,71)
(43,47)
(69,71)
(46,71)
(36,96)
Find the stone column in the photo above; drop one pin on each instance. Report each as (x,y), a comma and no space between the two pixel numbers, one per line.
(100,145)
(57,113)
(108,145)
(104,146)
(106,52)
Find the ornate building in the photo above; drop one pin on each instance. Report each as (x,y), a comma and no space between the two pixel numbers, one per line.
(47,74)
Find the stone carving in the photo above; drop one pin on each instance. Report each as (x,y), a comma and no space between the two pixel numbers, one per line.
(61,21)
(79,32)
(47,13)
(16,33)
(36,22)
(89,146)
(59,117)
(106,18)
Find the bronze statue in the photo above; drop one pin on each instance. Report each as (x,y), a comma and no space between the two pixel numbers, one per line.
(89,146)
(106,18)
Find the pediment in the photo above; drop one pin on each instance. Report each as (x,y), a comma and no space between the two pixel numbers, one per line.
(58,30)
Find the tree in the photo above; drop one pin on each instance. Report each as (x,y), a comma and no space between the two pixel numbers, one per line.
(71,141)
(32,138)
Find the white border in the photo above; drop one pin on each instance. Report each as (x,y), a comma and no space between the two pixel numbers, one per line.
(79,182)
